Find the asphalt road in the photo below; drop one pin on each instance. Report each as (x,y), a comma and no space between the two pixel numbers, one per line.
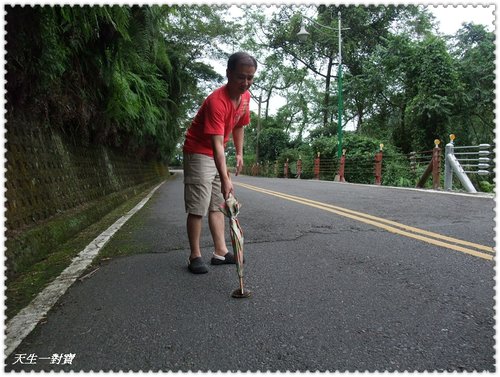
(330,292)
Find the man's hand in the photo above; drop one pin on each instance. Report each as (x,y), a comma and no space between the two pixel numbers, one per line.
(239,164)
(227,186)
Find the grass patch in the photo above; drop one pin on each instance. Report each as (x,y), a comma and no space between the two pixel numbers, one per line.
(22,288)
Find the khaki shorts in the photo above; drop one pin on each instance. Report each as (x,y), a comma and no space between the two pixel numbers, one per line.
(202,187)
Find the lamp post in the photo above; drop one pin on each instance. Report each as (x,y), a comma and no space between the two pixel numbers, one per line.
(302,35)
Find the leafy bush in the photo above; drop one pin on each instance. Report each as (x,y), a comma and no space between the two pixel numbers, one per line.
(486,186)
(360,155)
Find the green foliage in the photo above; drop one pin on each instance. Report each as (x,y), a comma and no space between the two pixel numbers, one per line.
(272,141)
(404,84)
(486,186)
(360,152)
(395,170)
(434,88)
(474,54)
(125,76)
(133,76)
(326,146)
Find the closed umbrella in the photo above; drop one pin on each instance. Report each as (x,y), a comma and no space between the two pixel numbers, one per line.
(231,209)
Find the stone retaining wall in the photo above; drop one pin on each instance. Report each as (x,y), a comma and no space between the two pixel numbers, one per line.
(49,176)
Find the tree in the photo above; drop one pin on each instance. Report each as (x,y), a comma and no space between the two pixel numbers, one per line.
(116,75)
(412,85)
(473,49)
(366,26)
(435,84)
(272,142)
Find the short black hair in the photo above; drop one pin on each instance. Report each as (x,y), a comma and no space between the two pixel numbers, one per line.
(240,57)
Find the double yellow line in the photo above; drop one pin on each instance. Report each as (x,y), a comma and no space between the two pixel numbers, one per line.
(388,225)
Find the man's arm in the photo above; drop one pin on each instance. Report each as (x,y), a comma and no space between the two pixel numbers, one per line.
(238,134)
(220,163)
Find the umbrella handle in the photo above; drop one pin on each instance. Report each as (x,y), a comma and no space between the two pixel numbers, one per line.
(230,197)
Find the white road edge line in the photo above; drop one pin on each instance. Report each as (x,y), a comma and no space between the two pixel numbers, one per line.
(26,320)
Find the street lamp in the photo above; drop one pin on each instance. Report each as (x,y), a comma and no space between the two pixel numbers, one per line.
(303,35)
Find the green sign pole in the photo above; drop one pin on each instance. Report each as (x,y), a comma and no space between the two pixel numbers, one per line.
(339,132)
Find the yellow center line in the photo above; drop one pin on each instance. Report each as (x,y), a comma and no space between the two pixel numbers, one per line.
(403,226)
(381,223)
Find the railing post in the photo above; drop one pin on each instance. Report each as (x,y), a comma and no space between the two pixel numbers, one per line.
(286,169)
(448,172)
(378,165)
(316,166)
(433,168)
(299,167)
(341,177)
(454,166)
(436,165)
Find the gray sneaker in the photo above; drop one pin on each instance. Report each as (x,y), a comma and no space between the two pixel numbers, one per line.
(228,259)
(196,266)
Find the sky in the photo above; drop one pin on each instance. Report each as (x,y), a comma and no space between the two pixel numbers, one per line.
(451,17)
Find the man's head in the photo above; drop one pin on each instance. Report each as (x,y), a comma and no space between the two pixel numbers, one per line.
(240,58)
(240,71)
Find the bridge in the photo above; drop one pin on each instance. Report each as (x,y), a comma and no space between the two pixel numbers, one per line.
(344,277)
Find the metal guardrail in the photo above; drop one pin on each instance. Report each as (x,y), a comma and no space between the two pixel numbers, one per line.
(458,160)
(473,159)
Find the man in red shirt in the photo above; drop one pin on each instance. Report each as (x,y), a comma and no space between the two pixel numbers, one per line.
(206,180)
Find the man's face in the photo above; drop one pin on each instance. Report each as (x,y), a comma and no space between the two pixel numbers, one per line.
(240,79)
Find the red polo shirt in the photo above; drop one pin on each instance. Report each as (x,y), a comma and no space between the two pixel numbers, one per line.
(216,116)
